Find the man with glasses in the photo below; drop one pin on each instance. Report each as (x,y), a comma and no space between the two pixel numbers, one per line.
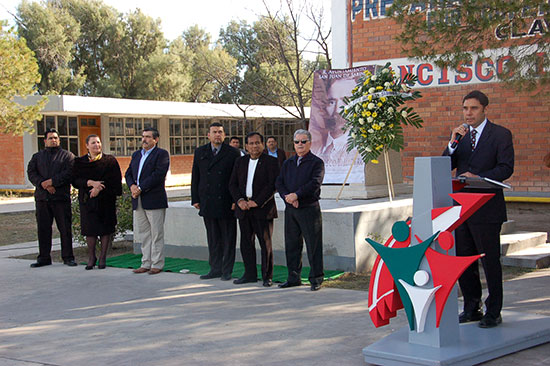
(299,185)
(50,172)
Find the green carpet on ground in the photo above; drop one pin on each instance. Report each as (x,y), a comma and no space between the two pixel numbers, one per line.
(175,265)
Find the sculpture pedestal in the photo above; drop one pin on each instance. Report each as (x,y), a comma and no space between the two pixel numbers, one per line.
(518,331)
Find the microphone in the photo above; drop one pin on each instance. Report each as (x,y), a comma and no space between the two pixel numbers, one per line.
(458,136)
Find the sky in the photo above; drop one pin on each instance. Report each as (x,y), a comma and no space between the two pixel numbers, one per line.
(177,16)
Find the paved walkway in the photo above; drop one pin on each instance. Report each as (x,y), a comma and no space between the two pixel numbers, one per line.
(57,315)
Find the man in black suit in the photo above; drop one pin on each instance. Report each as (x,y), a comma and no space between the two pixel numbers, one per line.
(212,167)
(486,150)
(273,150)
(145,177)
(50,171)
(252,187)
(299,185)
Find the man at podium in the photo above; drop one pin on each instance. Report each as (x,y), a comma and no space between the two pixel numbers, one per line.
(481,149)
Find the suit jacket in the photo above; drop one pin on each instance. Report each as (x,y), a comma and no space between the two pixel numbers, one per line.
(210,180)
(151,182)
(492,158)
(57,164)
(281,156)
(263,186)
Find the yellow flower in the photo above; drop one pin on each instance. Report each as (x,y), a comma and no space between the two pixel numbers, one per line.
(368,114)
(379,147)
(383,99)
(346,111)
(370,97)
(391,125)
(379,104)
(379,87)
(374,114)
(374,161)
(389,90)
(355,115)
(376,127)
(364,114)
(363,135)
(365,105)
(366,82)
(354,90)
(363,130)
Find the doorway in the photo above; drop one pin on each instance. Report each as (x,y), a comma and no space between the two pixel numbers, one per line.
(89,125)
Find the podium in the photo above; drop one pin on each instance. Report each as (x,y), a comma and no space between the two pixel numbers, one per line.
(451,343)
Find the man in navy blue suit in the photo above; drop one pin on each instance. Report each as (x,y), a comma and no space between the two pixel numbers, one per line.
(486,150)
(145,177)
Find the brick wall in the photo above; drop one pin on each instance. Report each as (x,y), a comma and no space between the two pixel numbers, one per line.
(12,158)
(527,116)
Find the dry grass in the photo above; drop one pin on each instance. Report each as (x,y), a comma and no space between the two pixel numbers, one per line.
(19,227)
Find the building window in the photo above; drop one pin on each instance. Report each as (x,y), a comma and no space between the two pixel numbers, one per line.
(125,133)
(186,134)
(67,128)
(283,130)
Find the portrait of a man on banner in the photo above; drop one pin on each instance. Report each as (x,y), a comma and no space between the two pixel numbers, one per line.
(329,140)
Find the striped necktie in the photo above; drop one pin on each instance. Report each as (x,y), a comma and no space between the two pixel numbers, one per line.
(473,139)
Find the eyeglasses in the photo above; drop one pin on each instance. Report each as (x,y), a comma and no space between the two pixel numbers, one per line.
(300,141)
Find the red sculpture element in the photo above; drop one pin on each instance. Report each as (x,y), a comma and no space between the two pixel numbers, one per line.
(446,269)
(446,240)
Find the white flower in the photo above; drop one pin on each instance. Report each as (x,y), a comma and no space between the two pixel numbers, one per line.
(385,71)
(404,114)
(382,124)
(368,149)
(373,78)
(405,88)
(371,106)
(361,121)
(357,108)
(387,84)
(390,110)
(353,135)
(370,130)
(371,90)
(370,119)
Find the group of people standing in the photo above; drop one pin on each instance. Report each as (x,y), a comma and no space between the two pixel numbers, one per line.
(226,186)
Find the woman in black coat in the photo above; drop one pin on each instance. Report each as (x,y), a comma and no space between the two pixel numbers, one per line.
(98,180)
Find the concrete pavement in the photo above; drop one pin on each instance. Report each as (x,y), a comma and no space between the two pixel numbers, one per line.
(57,315)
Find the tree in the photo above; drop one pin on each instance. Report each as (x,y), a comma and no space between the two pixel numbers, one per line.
(271,58)
(452,32)
(18,77)
(51,33)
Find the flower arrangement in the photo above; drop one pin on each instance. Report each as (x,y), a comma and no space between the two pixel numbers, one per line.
(374,114)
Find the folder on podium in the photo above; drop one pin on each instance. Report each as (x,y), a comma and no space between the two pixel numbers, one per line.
(461,182)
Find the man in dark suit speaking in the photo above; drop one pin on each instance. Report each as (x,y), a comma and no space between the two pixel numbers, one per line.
(252,186)
(212,167)
(145,177)
(485,150)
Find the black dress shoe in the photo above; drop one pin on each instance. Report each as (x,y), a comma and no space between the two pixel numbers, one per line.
(225,277)
(470,316)
(268,283)
(40,264)
(315,286)
(70,263)
(289,284)
(490,321)
(209,275)
(240,281)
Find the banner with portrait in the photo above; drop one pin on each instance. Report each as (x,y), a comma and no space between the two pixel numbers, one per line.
(325,124)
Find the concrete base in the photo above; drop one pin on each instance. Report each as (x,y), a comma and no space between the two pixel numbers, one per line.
(361,192)
(518,331)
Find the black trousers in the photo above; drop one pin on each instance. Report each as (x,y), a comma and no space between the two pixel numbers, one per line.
(472,239)
(222,241)
(46,212)
(304,224)
(263,229)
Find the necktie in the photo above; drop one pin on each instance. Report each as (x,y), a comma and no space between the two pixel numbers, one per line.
(299,161)
(215,151)
(473,139)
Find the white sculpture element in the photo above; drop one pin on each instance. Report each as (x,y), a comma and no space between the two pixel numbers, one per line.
(421,298)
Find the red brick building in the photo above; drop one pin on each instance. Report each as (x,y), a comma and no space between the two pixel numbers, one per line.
(363,35)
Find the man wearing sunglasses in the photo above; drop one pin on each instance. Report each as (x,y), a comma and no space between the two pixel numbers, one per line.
(299,185)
